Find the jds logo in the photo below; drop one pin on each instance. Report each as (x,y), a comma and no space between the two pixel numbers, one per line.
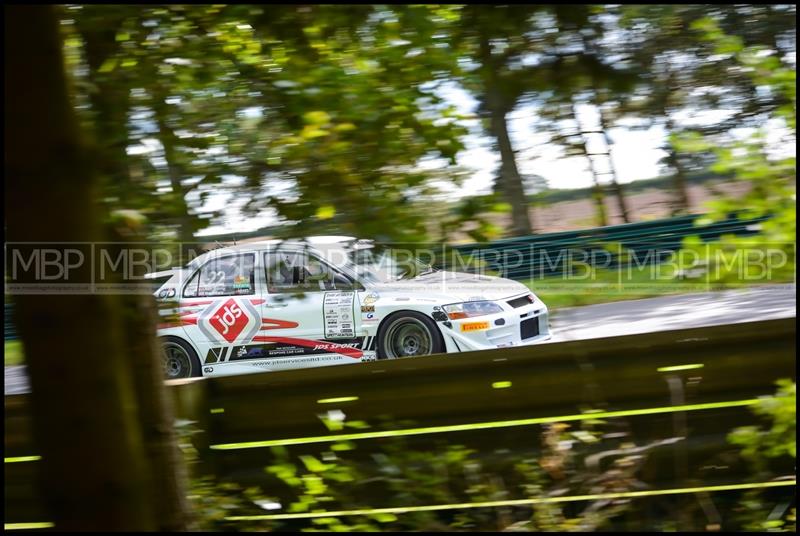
(229,320)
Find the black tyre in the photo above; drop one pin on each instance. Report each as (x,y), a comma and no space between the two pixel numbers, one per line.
(408,334)
(179,359)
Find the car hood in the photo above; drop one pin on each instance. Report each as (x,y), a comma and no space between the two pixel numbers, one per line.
(454,287)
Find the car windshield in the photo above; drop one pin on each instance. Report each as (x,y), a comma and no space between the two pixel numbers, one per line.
(374,265)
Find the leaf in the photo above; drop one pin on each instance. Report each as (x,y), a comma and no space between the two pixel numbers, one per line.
(326,212)
(317,117)
(109,65)
(313,464)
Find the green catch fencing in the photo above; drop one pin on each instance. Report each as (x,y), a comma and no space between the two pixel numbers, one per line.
(555,254)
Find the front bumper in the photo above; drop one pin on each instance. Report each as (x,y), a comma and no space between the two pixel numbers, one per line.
(520,326)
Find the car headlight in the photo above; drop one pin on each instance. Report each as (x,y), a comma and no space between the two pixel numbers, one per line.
(470,309)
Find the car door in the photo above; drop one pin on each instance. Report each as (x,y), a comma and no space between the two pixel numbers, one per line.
(220,306)
(309,309)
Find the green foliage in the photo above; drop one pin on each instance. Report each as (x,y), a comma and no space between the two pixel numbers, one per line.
(780,439)
(293,109)
(771,179)
(452,474)
(210,499)
(13,353)
(758,444)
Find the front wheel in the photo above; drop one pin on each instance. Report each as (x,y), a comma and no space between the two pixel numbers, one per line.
(178,359)
(409,334)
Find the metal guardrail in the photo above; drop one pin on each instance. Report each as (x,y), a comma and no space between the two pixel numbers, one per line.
(709,376)
(608,247)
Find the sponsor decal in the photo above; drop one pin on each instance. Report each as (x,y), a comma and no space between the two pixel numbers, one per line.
(304,360)
(241,282)
(293,346)
(370,298)
(474,326)
(337,310)
(208,370)
(167,293)
(288,347)
(333,346)
(367,308)
(229,320)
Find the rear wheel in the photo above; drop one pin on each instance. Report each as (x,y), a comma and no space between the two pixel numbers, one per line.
(409,334)
(178,359)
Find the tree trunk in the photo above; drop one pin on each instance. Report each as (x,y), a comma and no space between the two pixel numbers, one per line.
(155,406)
(512,182)
(680,203)
(181,208)
(619,192)
(85,417)
(111,106)
(680,200)
(110,101)
(510,179)
(597,189)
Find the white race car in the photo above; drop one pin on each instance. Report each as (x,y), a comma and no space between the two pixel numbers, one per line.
(279,305)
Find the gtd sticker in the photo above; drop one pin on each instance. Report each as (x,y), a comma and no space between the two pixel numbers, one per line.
(230,320)
(474,326)
(167,293)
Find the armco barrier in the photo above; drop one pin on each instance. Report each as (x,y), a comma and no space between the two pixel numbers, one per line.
(708,377)
(608,247)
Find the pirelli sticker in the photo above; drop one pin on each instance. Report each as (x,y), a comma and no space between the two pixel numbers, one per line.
(338,314)
(474,326)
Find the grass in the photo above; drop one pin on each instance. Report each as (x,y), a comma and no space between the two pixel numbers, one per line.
(13,353)
(603,286)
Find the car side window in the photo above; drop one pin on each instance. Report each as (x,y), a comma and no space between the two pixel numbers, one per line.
(301,272)
(232,275)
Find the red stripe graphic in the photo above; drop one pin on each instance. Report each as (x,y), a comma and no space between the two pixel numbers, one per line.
(323,345)
(192,304)
(257,301)
(273,323)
